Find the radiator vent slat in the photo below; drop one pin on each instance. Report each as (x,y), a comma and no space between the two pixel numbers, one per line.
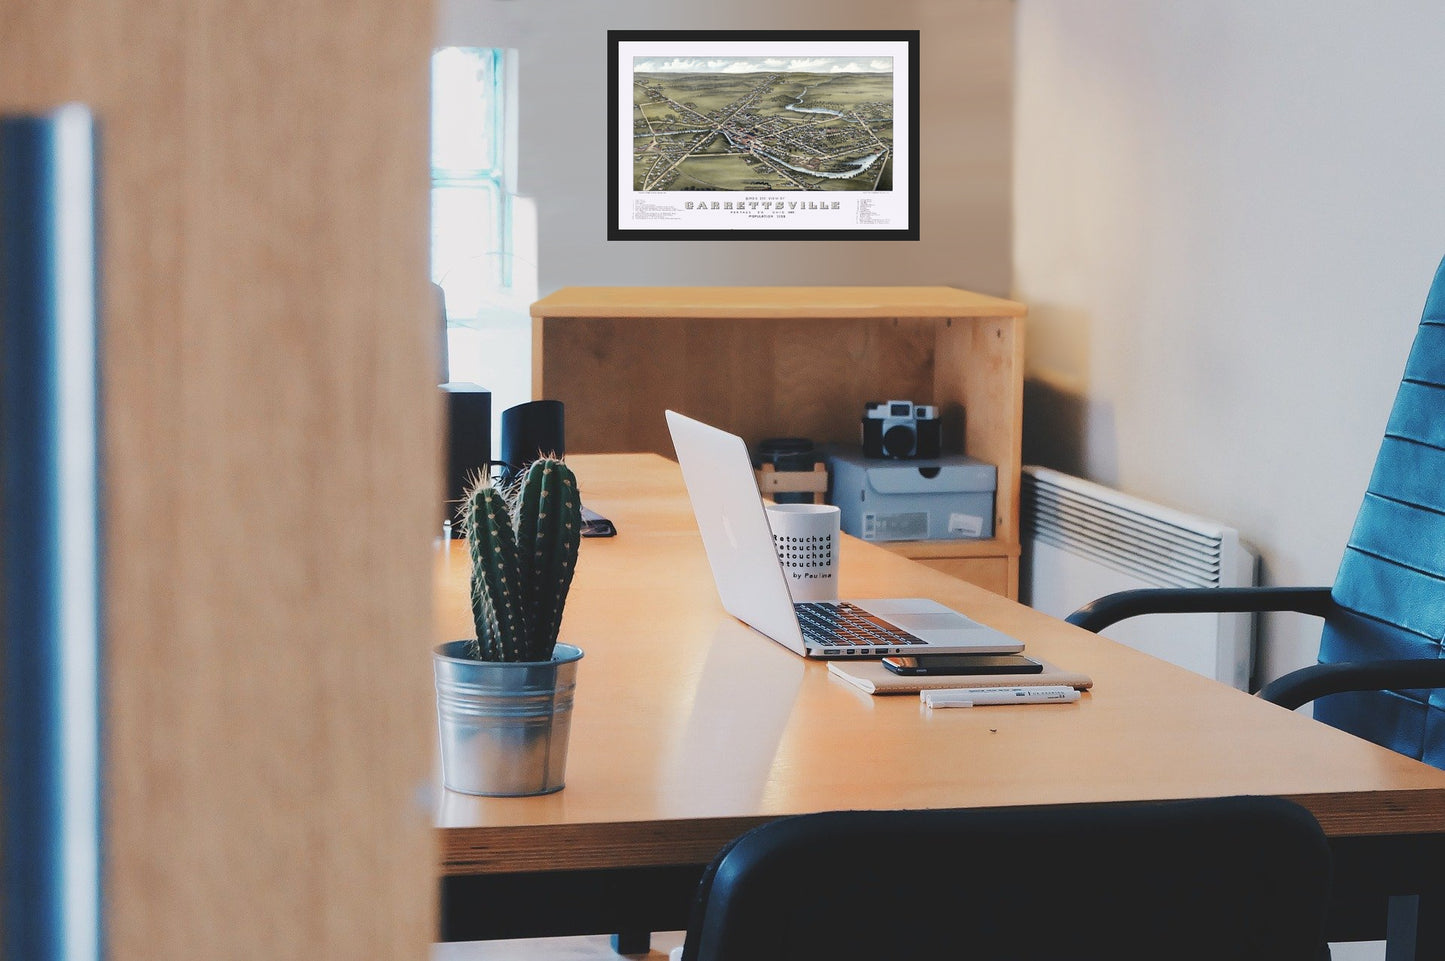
(1070,503)
(1162,547)
(1154,575)
(1127,546)
(1081,541)
(1085,520)
(1160,562)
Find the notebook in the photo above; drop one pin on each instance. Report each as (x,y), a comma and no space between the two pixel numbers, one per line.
(753,587)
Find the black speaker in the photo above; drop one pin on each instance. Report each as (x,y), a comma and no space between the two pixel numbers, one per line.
(530,431)
(469,442)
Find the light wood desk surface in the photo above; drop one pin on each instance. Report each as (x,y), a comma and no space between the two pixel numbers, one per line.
(689,727)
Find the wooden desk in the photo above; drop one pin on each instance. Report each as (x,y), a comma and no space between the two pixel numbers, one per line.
(690,728)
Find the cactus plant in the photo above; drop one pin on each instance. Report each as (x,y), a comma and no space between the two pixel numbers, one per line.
(523,544)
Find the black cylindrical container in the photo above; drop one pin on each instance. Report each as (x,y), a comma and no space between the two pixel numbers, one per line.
(788,454)
(530,431)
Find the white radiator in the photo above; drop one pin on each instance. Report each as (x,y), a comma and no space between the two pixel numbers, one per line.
(1082,541)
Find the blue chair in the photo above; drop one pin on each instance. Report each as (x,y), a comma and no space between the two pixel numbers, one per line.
(1241,878)
(1381,665)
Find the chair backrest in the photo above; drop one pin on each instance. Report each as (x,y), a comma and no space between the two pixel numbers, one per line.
(1238,878)
(1390,589)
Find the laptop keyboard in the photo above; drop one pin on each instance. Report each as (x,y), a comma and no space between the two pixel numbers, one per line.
(848,627)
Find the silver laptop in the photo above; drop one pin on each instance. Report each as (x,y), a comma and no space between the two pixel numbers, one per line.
(754,588)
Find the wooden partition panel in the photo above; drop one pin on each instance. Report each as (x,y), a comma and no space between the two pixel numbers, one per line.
(271,446)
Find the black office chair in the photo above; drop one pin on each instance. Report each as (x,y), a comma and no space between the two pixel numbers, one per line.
(1237,878)
(1381,650)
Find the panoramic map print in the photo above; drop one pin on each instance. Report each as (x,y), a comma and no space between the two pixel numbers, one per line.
(733,123)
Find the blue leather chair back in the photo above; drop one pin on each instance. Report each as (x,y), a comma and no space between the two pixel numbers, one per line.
(1390,589)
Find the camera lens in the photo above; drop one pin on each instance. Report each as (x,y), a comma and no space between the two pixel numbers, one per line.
(899,440)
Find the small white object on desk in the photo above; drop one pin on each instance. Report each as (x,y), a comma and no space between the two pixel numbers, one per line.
(981,696)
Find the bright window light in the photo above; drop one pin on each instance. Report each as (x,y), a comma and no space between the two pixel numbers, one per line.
(483,251)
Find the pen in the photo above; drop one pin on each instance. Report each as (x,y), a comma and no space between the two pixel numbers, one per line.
(981,696)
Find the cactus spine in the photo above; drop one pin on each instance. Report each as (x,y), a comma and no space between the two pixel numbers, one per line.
(523,545)
(497,600)
(548,517)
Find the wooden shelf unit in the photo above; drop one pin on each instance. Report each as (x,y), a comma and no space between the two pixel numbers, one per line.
(795,361)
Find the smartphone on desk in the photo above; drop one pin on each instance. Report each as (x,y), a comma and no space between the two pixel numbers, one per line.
(595,525)
(936,664)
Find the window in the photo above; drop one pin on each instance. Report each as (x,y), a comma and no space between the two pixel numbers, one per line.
(483,235)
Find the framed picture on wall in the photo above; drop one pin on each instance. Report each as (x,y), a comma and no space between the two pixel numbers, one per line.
(762,135)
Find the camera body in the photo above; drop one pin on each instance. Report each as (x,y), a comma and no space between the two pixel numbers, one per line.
(901,429)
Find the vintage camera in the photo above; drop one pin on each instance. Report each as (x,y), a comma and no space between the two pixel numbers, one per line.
(901,429)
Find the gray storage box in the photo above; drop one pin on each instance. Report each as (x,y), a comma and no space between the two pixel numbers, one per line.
(947,498)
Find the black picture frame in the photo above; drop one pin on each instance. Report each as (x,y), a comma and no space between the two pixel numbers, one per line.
(755,172)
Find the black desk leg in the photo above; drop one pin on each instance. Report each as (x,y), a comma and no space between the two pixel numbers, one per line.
(1416,928)
(632,942)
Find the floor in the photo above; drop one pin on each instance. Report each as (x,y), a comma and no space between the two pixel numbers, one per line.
(597,948)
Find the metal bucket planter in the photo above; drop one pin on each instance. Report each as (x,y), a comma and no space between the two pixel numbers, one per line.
(504,726)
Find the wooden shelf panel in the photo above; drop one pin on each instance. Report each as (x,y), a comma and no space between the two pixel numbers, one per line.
(787,361)
(756,377)
(991,564)
(774,302)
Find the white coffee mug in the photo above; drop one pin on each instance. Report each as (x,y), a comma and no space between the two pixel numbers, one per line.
(806,537)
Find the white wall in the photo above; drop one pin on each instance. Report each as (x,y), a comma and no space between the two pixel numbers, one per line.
(1227,216)
(965,72)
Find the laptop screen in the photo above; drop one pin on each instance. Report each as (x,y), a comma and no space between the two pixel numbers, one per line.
(734,528)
